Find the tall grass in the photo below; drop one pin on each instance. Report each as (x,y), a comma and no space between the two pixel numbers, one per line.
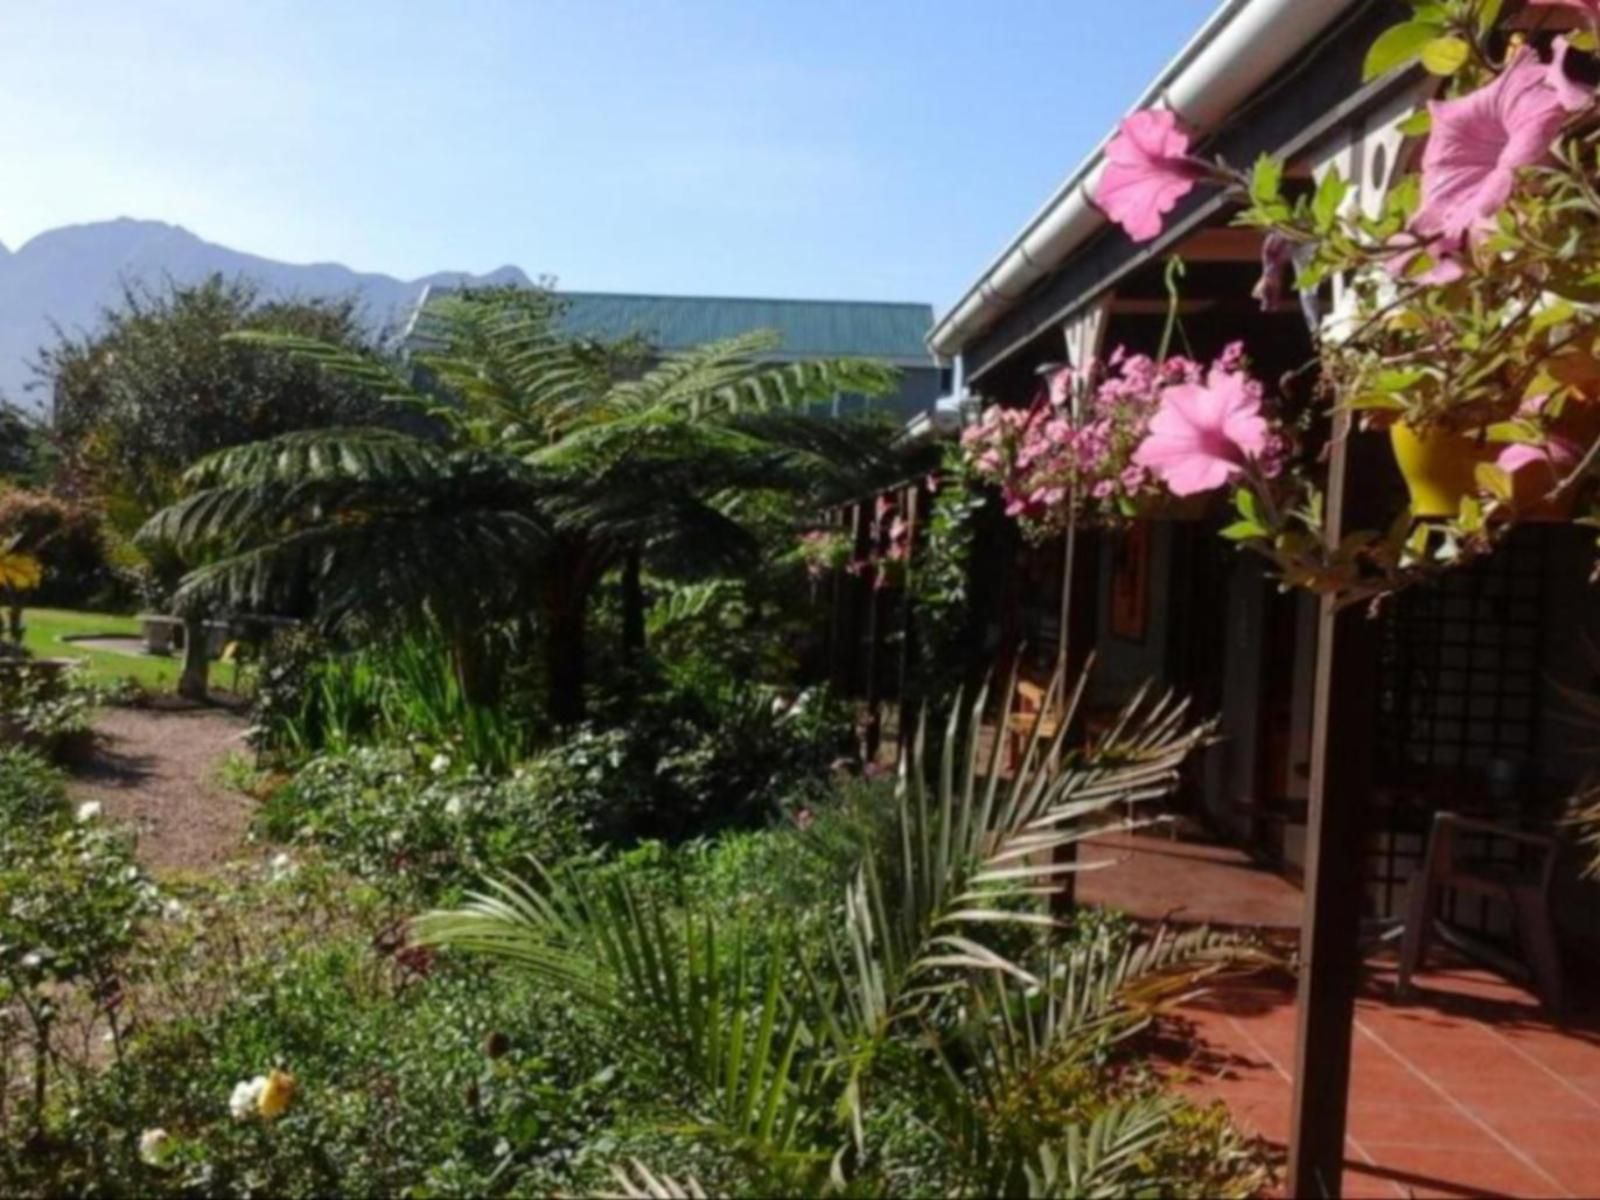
(403,689)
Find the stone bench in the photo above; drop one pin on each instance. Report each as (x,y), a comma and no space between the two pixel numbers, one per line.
(162,635)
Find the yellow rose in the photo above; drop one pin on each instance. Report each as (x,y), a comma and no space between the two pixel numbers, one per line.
(276,1096)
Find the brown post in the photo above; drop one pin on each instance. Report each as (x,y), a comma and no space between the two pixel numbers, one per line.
(909,704)
(1343,717)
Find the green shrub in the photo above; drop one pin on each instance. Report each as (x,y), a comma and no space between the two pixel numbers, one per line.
(413,1075)
(71,901)
(49,713)
(419,825)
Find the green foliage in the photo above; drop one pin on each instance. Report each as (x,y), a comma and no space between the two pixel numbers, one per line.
(546,463)
(401,690)
(71,899)
(479,1083)
(68,539)
(46,711)
(155,387)
(416,826)
(940,582)
(936,986)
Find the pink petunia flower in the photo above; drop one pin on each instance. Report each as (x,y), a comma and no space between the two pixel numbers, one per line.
(1203,435)
(1480,142)
(1557,454)
(1148,170)
(1060,386)
(1588,9)
(1574,96)
(1446,255)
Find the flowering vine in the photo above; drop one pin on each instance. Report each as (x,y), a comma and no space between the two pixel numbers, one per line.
(1471,331)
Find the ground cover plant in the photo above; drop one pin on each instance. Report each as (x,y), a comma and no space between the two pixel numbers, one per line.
(281,1027)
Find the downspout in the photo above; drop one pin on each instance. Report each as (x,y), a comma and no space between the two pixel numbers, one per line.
(1242,47)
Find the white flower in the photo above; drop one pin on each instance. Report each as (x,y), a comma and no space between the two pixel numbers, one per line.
(282,866)
(440,764)
(452,806)
(246,1095)
(88,810)
(32,959)
(154,1146)
(172,909)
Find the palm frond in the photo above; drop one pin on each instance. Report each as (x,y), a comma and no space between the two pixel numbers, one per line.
(672,987)
(1102,1158)
(367,370)
(638,1182)
(360,454)
(976,853)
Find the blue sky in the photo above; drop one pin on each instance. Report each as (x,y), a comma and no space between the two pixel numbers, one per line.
(869,149)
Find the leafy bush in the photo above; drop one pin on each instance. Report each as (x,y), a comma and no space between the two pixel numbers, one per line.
(411,1075)
(71,899)
(48,712)
(68,539)
(418,825)
(901,1051)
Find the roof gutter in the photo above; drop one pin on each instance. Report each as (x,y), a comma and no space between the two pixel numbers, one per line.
(1242,46)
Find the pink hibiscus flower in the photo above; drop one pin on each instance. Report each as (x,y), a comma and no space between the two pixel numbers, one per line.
(1480,142)
(1202,436)
(1148,170)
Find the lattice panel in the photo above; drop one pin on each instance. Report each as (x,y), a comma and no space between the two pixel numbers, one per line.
(1460,700)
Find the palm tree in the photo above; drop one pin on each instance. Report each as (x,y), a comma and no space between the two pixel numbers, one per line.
(523,468)
(942,975)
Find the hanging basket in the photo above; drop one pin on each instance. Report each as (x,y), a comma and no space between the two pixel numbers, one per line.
(1440,467)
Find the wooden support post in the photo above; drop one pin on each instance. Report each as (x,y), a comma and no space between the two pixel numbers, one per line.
(909,704)
(1344,714)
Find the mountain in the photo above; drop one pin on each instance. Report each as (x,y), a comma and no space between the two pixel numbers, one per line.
(66,277)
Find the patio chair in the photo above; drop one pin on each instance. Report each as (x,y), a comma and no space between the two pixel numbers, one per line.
(1033,705)
(1446,865)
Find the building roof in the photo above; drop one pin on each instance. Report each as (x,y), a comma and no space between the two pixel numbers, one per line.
(1243,45)
(809,328)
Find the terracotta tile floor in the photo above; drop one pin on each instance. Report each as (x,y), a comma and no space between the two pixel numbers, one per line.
(1187,878)
(1468,1090)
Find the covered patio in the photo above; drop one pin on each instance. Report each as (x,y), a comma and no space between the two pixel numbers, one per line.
(1346,732)
(1466,1088)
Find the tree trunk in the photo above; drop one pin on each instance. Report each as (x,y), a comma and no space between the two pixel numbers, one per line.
(633,637)
(192,684)
(565,628)
(478,670)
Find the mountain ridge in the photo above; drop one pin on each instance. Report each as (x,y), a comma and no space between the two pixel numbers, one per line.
(66,277)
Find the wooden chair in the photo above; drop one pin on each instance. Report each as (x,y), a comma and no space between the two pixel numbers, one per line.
(1446,866)
(1030,707)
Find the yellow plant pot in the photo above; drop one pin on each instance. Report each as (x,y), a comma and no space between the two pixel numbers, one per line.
(1440,468)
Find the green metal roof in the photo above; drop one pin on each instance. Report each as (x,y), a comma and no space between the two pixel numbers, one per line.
(809,328)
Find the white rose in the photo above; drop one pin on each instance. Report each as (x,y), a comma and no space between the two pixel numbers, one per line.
(154,1146)
(246,1094)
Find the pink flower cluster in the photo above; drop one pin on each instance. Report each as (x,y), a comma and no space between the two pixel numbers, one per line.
(1146,428)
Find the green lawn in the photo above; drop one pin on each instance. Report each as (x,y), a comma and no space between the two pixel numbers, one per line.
(47,626)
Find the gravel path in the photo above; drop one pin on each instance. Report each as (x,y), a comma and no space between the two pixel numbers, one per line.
(155,772)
